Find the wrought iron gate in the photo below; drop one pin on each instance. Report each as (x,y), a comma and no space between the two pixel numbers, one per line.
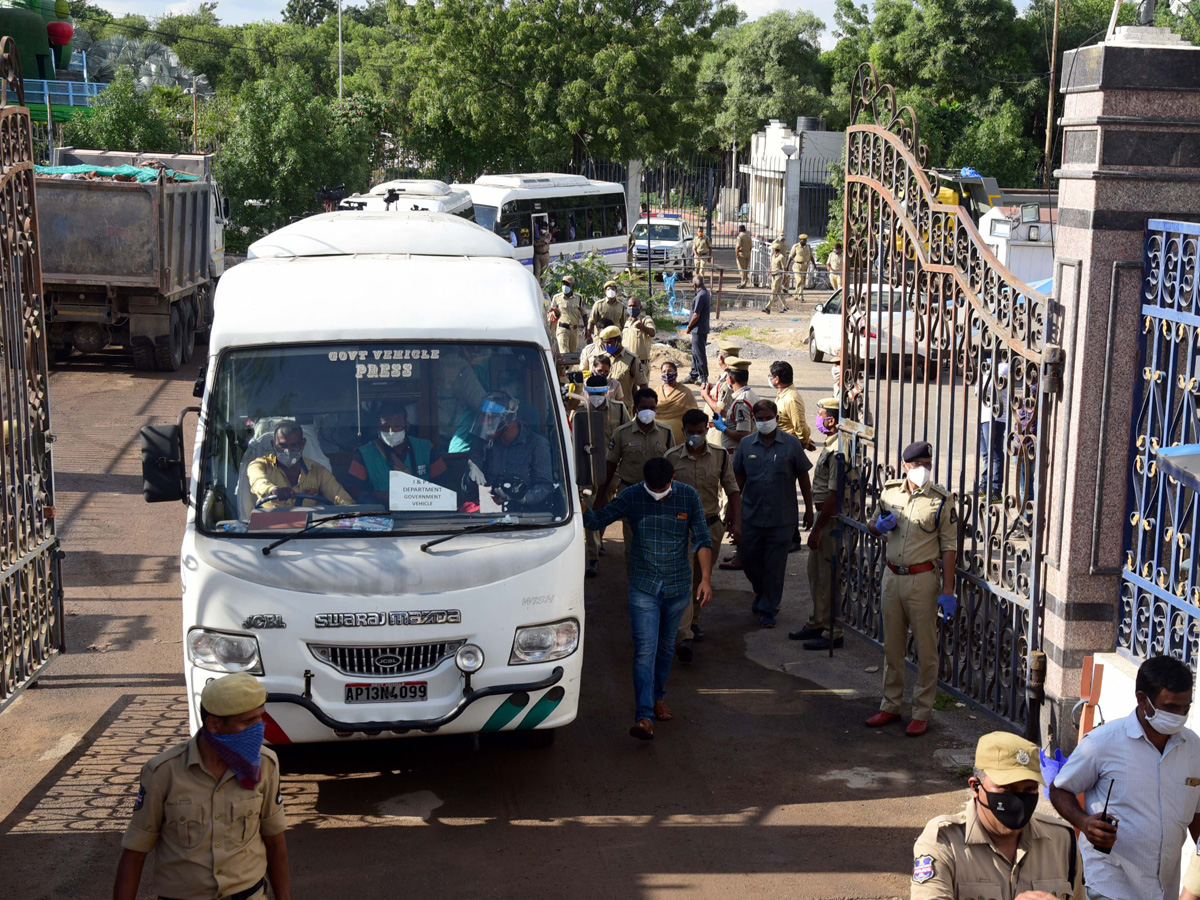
(1159,605)
(31,622)
(941,343)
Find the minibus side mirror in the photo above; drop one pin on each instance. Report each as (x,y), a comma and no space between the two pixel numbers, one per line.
(201,376)
(587,429)
(164,469)
(225,207)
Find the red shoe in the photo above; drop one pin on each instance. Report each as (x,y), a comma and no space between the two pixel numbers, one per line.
(881,718)
(916,728)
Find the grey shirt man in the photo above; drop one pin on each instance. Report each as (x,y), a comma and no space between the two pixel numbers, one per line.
(771,473)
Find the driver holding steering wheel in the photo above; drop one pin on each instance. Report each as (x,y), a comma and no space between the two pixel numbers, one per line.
(278,477)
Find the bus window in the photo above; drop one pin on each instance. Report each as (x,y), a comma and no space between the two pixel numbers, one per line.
(485,216)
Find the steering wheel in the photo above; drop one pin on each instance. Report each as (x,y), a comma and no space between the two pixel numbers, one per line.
(269,498)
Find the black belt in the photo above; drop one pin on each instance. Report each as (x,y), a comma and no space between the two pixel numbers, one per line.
(240,895)
(570,327)
(712,520)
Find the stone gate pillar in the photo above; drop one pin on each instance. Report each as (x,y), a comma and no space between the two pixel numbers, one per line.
(1130,152)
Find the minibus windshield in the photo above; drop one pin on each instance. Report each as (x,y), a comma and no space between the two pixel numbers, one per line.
(422,437)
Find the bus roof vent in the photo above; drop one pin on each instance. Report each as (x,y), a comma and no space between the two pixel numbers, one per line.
(532,180)
(413,187)
(350,233)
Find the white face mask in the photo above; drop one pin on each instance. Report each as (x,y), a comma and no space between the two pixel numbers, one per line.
(392,438)
(597,400)
(610,293)
(1164,722)
(657,495)
(566,290)
(766,427)
(919,476)
(645,416)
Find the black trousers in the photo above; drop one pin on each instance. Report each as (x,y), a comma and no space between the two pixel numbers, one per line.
(699,356)
(764,556)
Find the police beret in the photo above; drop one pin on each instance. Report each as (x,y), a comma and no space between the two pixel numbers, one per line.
(1006,758)
(612,331)
(569,279)
(232,695)
(735,362)
(829,403)
(918,450)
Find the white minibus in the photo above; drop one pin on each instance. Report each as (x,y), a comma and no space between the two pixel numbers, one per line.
(413,195)
(583,215)
(382,523)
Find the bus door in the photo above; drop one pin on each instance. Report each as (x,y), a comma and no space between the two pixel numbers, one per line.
(541,221)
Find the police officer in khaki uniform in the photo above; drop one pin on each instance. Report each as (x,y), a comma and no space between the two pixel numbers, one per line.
(599,397)
(541,249)
(718,396)
(834,263)
(919,521)
(742,249)
(638,335)
(739,422)
(701,254)
(820,539)
(607,307)
(710,471)
(998,847)
(778,267)
(625,368)
(800,258)
(566,311)
(211,808)
(632,445)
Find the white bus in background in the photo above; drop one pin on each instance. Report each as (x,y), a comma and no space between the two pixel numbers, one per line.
(413,195)
(443,599)
(583,215)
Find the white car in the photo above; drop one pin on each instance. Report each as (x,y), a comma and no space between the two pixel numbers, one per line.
(895,329)
(825,329)
(665,242)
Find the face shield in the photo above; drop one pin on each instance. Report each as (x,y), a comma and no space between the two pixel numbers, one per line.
(496,412)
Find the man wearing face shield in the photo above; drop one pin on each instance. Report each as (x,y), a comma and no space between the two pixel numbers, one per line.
(998,847)
(597,391)
(223,787)
(286,472)
(513,460)
(1150,762)
(708,469)
(919,521)
(395,449)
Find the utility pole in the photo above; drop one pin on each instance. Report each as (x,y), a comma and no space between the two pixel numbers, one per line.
(340,47)
(195,115)
(1050,100)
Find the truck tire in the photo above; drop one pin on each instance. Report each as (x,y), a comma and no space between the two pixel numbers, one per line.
(168,351)
(189,331)
(143,355)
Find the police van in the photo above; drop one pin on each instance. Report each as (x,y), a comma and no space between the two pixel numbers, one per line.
(382,524)
(413,195)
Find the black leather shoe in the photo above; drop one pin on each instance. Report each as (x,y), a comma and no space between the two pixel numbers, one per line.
(822,643)
(807,633)
(684,650)
(697,634)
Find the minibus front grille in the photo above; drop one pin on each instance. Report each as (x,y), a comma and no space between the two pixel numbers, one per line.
(406,659)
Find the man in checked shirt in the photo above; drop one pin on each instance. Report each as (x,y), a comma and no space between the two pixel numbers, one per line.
(666,519)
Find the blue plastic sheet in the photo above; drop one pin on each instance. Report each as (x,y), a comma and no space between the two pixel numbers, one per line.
(144,175)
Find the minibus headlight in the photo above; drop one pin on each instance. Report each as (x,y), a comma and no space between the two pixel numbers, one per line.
(469,658)
(222,652)
(542,643)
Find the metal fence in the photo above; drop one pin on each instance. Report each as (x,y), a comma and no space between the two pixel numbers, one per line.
(31,620)
(1159,604)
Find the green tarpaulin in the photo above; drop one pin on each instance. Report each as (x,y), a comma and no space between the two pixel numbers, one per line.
(138,174)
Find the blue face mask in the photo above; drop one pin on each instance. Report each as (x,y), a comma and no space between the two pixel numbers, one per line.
(242,752)
(612,348)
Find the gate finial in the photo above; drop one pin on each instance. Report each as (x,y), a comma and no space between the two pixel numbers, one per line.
(868,94)
(10,72)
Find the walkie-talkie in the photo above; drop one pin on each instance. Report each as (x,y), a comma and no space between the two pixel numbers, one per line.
(1105,817)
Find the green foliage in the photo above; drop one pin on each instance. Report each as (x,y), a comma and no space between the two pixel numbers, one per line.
(770,68)
(590,272)
(309,13)
(125,118)
(285,144)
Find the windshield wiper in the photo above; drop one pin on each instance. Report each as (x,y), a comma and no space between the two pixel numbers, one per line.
(506,522)
(266,551)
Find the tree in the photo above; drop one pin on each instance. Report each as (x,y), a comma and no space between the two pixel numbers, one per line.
(123,118)
(770,68)
(309,13)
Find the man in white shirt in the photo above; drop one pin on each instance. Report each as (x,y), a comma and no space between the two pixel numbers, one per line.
(1151,765)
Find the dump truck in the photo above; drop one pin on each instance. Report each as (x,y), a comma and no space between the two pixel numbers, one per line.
(131,245)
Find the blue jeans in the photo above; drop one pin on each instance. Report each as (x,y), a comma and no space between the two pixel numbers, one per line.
(655,619)
(991,455)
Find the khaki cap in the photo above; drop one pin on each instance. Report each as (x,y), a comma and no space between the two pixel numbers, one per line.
(569,279)
(829,403)
(232,695)
(612,331)
(1006,758)
(736,362)
(610,284)
(803,237)
(728,347)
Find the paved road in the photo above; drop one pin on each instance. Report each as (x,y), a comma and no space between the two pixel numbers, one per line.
(765,784)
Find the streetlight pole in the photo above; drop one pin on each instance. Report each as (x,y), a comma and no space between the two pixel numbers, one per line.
(339,49)
(1048,160)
